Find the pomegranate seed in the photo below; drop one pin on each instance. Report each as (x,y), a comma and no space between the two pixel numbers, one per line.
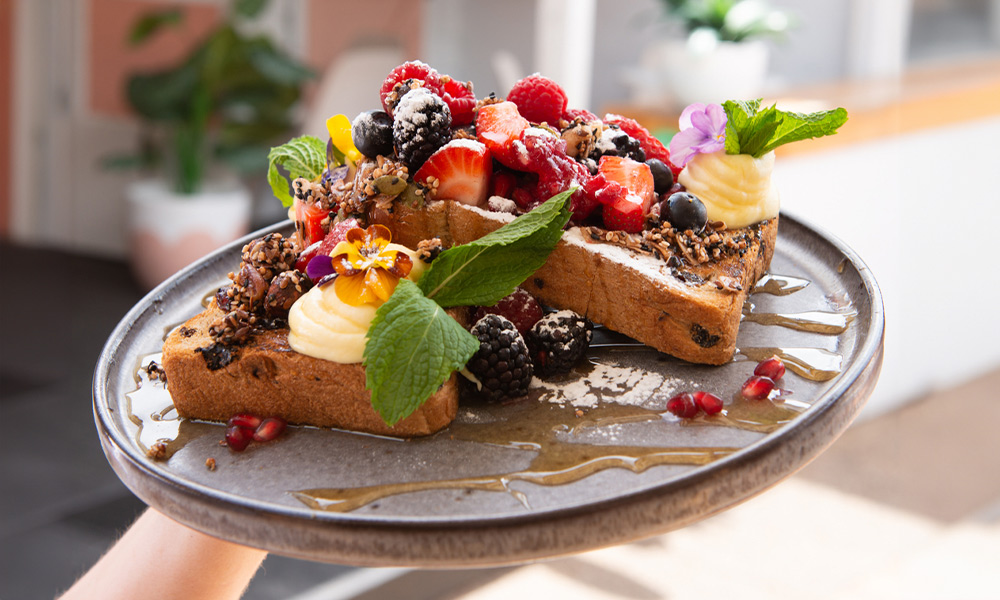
(269,429)
(771,368)
(683,405)
(757,387)
(245,420)
(708,402)
(238,438)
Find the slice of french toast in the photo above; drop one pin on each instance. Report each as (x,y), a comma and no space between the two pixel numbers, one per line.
(684,308)
(265,377)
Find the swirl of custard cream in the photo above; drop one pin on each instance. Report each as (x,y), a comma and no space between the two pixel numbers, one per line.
(323,326)
(735,188)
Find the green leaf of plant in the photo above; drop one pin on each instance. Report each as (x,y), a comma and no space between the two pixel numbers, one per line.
(413,347)
(302,157)
(149,24)
(277,66)
(799,126)
(483,271)
(756,132)
(249,8)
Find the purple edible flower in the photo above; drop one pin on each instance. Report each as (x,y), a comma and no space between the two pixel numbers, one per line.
(703,131)
(320,267)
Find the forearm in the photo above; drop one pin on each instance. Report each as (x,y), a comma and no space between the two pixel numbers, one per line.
(158,557)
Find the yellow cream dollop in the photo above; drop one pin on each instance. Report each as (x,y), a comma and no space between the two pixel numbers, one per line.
(736,188)
(323,326)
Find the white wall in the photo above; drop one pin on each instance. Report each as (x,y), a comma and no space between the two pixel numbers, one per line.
(917,207)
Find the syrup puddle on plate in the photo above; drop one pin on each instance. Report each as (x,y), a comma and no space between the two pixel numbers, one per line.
(560,426)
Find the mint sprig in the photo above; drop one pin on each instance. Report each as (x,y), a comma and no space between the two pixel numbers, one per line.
(483,271)
(755,131)
(302,157)
(414,345)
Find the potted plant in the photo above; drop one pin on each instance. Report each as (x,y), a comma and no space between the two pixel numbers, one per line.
(722,53)
(207,122)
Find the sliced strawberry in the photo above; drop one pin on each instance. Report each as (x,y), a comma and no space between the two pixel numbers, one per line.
(653,147)
(309,216)
(625,215)
(504,182)
(499,126)
(337,234)
(633,175)
(462,169)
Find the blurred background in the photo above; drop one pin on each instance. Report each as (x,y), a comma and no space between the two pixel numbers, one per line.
(116,114)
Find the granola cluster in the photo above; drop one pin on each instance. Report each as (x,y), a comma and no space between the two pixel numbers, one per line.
(261,291)
(376,183)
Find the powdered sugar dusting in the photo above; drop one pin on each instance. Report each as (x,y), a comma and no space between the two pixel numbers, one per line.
(612,383)
(466,143)
(501,204)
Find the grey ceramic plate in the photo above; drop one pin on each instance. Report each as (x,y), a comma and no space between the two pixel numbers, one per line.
(590,461)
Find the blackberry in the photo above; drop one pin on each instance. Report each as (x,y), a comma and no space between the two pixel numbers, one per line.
(501,364)
(372,133)
(422,124)
(558,341)
(615,142)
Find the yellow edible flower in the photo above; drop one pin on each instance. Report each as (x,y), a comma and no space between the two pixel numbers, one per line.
(367,273)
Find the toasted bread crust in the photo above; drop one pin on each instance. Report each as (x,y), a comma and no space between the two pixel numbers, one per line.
(628,292)
(268,378)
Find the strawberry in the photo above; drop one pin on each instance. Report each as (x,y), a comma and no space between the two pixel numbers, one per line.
(337,234)
(653,147)
(462,169)
(633,175)
(626,214)
(310,216)
(499,126)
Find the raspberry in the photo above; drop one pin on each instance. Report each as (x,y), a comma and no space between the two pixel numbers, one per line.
(422,125)
(582,113)
(501,363)
(558,341)
(653,147)
(459,98)
(545,155)
(520,308)
(539,99)
(416,70)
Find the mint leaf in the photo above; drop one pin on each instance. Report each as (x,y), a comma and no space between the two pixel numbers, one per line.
(483,271)
(413,347)
(302,157)
(799,126)
(750,130)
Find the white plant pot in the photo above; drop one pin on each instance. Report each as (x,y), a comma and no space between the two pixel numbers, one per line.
(168,231)
(714,73)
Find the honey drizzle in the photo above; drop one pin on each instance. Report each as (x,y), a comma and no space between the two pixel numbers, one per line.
(549,430)
(815,364)
(779,285)
(813,321)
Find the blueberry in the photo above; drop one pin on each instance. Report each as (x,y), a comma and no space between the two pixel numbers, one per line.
(663,177)
(685,211)
(372,133)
